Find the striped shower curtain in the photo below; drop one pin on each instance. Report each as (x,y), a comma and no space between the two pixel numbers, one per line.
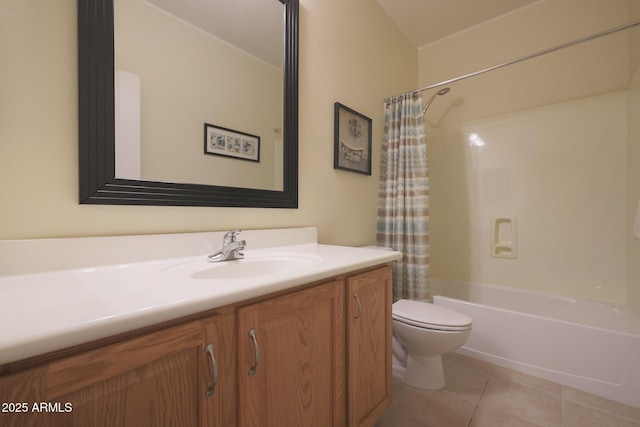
(403,196)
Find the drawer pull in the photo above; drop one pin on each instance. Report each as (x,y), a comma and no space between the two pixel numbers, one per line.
(214,371)
(252,335)
(355,319)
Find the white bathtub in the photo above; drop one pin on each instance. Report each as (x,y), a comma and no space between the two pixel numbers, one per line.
(587,345)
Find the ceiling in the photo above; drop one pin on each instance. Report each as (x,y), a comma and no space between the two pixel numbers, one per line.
(422,21)
(229,21)
(425,21)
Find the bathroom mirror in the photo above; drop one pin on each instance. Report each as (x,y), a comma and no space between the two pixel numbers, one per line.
(101,178)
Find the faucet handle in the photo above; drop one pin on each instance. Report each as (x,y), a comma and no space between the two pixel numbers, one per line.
(230,237)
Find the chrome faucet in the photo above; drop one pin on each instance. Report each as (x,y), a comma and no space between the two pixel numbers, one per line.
(231,248)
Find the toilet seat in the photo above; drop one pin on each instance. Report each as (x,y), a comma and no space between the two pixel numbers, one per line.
(429,316)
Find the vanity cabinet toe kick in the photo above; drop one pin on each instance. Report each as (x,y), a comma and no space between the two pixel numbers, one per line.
(314,355)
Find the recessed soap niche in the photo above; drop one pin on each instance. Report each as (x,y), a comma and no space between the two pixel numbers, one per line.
(504,237)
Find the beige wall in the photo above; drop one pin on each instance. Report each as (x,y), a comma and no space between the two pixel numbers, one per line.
(634,45)
(350,53)
(588,69)
(633,171)
(543,24)
(633,195)
(555,153)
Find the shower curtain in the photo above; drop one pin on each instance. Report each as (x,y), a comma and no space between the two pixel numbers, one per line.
(403,196)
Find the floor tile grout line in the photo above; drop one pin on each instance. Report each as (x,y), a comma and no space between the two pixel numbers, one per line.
(475,408)
(562,406)
(486,384)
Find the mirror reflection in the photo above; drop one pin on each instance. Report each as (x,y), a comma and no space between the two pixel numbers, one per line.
(182,64)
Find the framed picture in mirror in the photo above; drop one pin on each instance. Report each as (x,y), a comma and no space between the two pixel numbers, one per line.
(221,141)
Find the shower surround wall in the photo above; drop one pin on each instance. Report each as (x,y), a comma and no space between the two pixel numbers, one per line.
(560,171)
(560,138)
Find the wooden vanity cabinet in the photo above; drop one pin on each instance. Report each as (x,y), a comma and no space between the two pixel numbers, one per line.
(292,352)
(316,356)
(160,378)
(291,368)
(369,375)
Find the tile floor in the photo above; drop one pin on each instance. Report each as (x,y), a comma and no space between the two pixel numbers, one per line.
(479,394)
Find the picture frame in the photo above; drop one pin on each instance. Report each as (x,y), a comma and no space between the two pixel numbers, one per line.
(220,141)
(352,140)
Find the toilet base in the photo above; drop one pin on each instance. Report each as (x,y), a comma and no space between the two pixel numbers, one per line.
(398,368)
(425,372)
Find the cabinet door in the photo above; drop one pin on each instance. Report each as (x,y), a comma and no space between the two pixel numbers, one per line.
(291,369)
(157,379)
(369,380)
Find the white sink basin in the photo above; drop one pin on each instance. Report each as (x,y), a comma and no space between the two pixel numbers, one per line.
(253,265)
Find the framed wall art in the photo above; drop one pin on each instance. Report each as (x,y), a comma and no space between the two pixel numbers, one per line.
(231,143)
(352,140)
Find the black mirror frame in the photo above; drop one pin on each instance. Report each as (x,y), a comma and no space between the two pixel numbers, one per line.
(98,184)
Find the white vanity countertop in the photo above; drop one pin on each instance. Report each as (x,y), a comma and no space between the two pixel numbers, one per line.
(47,311)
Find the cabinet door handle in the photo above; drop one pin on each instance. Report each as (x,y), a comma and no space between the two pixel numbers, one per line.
(252,335)
(214,371)
(355,319)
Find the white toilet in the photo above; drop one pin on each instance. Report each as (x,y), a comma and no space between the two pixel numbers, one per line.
(422,333)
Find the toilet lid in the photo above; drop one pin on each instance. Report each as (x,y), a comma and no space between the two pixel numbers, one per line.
(427,315)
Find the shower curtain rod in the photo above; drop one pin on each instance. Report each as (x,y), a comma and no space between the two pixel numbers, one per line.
(522,58)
